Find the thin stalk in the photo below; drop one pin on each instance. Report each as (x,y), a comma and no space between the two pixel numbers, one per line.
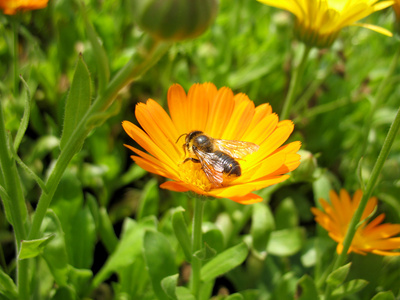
(294,82)
(16,206)
(195,280)
(394,128)
(15,23)
(131,70)
(378,99)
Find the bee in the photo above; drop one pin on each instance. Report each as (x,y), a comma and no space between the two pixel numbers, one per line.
(217,157)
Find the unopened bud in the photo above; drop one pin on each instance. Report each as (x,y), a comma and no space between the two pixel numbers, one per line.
(308,165)
(175,20)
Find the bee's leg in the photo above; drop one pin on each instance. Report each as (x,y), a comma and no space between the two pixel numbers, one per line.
(192,159)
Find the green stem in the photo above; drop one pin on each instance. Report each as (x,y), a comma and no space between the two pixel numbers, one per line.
(131,71)
(15,22)
(294,82)
(367,193)
(195,280)
(376,102)
(15,206)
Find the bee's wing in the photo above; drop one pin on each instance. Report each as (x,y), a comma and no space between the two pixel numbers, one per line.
(236,149)
(211,166)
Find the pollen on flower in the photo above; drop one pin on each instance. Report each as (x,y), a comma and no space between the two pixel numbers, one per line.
(192,173)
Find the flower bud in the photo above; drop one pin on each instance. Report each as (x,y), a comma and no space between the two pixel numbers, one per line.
(174,20)
(308,164)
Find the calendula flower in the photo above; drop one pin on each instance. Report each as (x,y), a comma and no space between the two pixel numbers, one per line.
(372,237)
(219,114)
(10,7)
(318,22)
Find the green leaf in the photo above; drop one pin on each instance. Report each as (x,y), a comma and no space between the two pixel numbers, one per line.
(235,296)
(286,214)
(388,295)
(205,253)
(262,225)
(128,248)
(285,242)
(169,284)
(82,239)
(106,231)
(25,119)
(149,200)
(183,293)
(100,55)
(224,262)
(181,232)
(338,276)
(7,286)
(308,289)
(160,260)
(33,248)
(80,279)
(349,288)
(55,253)
(64,293)
(214,238)
(78,101)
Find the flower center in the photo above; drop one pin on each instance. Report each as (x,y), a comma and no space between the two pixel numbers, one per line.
(192,173)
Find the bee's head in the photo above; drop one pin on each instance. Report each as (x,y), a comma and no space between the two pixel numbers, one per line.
(189,139)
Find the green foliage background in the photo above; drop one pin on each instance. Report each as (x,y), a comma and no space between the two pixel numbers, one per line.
(109,217)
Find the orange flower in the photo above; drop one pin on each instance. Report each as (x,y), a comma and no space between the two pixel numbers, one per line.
(221,115)
(10,7)
(373,237)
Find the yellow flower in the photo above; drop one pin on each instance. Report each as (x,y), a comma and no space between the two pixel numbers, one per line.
(371,237)
(10,7)
(318,22)
(221,115)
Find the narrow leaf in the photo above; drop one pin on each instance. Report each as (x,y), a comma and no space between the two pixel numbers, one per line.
(168,284)
(6,203)
(308,290)
(149,200)
(25,119)
(7,286)
(103,70)
(235,296)
(338,276)
(224,262)
(32,248)
(384,296)
(349,288)
(78,101)
(181,231)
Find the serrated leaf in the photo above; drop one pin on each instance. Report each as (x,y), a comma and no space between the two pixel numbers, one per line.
(338,276)
(224,262)
(169,284)
(308,289)
(388,295)
(33,248)
(7,286)
(349,288)
(285,242)
(181,232)
(78,101)
(160,260)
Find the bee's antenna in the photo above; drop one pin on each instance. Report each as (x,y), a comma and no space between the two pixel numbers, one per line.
(180,137)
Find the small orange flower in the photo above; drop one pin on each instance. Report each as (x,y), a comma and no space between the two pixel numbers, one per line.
(371,237)
(10,7)
(221,115)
